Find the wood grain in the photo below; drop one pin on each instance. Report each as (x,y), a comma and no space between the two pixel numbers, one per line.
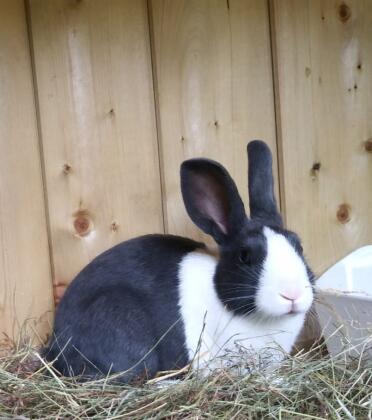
(94,78)
(324,75)
(214,89)
(25,277)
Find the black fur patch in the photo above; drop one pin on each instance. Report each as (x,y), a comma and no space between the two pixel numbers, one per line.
(121,312)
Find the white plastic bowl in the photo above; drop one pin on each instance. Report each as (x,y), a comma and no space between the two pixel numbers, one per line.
(345,304)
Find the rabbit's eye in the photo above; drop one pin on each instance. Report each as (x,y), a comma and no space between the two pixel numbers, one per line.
(244,256)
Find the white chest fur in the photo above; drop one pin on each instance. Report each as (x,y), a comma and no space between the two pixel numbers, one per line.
(212,330)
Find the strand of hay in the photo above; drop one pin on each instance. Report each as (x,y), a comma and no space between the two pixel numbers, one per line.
(307,386)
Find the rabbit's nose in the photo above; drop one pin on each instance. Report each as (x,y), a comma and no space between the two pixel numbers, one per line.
(291,295)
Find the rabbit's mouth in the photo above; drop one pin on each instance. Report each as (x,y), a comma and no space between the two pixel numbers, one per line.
(294,311)
(278,306)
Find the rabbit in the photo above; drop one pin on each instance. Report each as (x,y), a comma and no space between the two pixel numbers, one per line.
(158,302)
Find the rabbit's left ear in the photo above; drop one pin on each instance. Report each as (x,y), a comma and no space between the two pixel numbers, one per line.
(262,201)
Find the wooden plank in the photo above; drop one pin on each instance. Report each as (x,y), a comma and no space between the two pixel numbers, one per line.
(25,278)
(94,77)
(324,73)
(214,89)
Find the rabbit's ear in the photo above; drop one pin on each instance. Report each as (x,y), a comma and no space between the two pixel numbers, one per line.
(262,201)
(211,198)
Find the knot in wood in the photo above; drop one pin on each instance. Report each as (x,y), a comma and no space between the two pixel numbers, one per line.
(114,226)
(368,145)
(344,12)
(66,168)
(316,166)
(82,223)
(343,213)
(315,169)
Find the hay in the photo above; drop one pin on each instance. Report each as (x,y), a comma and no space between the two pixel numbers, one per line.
(308,385)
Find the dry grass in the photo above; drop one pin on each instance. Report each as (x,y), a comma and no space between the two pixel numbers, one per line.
(306,386)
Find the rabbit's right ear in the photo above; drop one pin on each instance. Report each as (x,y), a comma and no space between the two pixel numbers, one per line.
(262,201)
(212,199)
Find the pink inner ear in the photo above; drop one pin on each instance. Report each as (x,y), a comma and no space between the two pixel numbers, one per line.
(214,212)
(211,200)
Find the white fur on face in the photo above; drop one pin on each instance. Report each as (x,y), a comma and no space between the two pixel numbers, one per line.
(284,283)
(212,330)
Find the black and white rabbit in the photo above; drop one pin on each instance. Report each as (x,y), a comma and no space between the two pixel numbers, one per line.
(150,303)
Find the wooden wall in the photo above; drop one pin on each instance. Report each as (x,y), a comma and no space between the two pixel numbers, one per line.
(324,102)
(102,100)
(25,264)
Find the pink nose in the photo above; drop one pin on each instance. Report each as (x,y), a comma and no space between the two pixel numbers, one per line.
(291,294)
